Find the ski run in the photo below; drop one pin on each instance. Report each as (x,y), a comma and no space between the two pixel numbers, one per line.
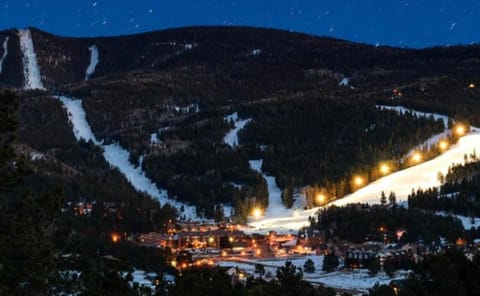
(93,61)
(5,52)
(231,138)
(118,157)
(31,69)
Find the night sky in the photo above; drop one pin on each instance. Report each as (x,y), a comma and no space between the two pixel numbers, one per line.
(408,23)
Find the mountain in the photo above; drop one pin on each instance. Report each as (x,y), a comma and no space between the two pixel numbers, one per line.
(306,105)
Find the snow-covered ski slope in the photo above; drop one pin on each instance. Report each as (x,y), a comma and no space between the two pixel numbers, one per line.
(93,61)
(424,175)
(5,52)
(31,70)
(118,157)
(231,138)
(275,205)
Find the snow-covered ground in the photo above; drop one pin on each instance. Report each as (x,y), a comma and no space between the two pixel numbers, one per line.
(356,280)
(31,70)
(275,204)
(118,157)
(155,137)
(5,52)
(344,82)
(256,51)
(277,217)
(466,221)
(403,110)
(93,61)
(231,138)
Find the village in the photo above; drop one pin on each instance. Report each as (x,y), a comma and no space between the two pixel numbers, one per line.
(244,254)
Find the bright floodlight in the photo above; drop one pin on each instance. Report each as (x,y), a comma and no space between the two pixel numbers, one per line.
(417,157)
(358,181)
(384,168)
(443,145)
(460,130)
(321,198)
(257,213)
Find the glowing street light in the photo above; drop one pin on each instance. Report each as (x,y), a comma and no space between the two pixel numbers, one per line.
(358,181)
(257,213)
(417,157)
(384,169)
(115,238)
(471,85)
(321,198)
(443,145)
(460,130)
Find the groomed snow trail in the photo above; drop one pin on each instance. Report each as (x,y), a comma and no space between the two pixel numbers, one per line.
(275,204)
(118,157)
(31,69)
(93,61)
(5,52)
(231,138)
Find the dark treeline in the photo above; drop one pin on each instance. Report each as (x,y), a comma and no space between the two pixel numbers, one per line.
(316,141)
(440,274)
(358,223)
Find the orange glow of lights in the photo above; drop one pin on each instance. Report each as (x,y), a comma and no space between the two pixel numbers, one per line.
(471,85)
(115,238)
(257,213)
(417,157)
(384,168)
(443,145)
(358,181)
(321,198)
(460,130)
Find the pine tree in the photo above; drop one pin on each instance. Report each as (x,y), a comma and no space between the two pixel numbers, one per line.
(383,198)
(392,199)
(309,267)
(330,262)
(27,251)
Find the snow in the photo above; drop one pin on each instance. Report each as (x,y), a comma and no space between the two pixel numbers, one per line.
(77,116)
(256,51)
(93,61)
(36,155)
(277,217)
(344,82)
(231,138)
(31,69)
(423,175)
(358,279)
(154,138)
(466,221)
(402,110)
(275,204)
(5,52)
(192,108)
(118,157)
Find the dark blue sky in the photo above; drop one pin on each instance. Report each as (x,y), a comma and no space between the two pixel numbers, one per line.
(410,23)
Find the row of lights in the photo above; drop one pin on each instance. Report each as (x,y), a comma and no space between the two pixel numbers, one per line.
(384,169)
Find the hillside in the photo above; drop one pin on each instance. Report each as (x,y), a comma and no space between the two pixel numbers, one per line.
(165,96)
